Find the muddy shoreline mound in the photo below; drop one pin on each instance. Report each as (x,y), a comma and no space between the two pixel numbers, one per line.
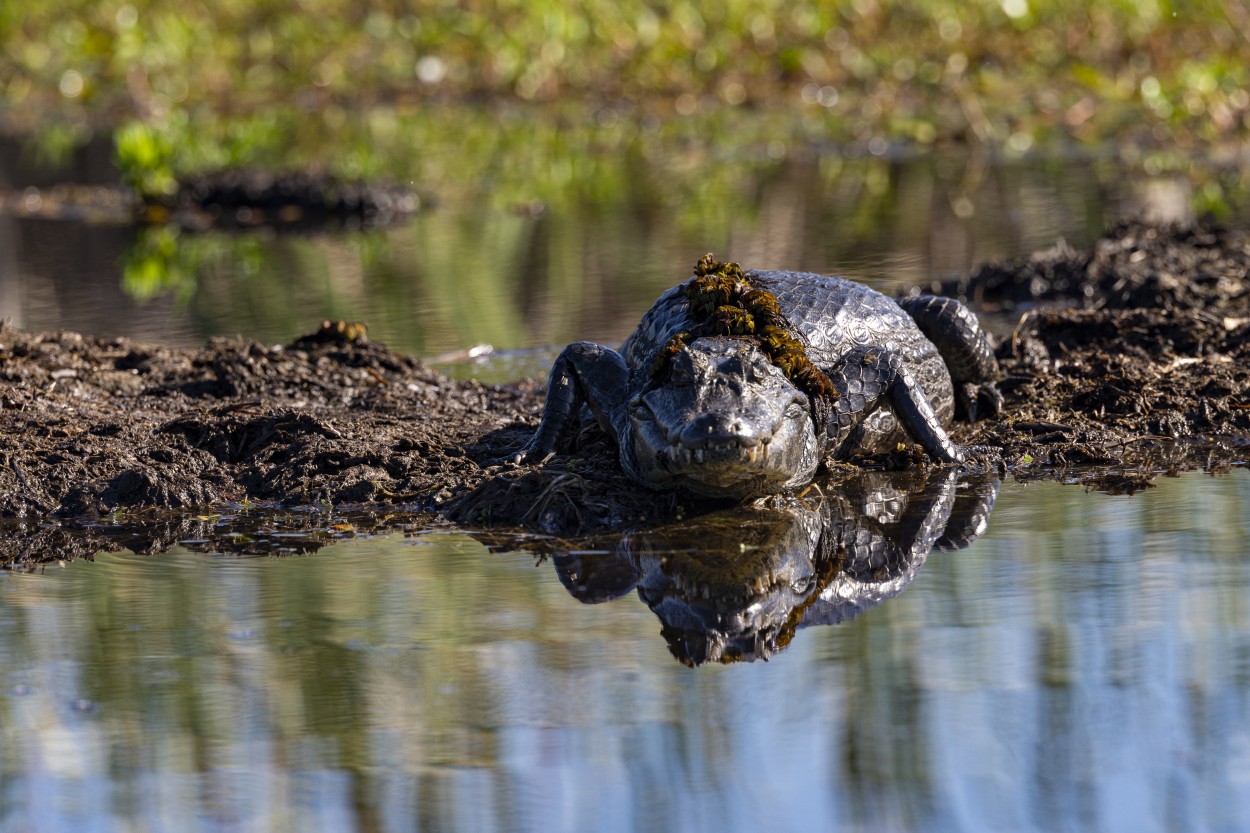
(1145,371)
(302,202)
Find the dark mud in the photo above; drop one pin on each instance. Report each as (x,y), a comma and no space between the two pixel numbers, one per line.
(1145,374)
(95,427)
(1131,266)
(234,199)
(248,198)
(1146,371)
(239,530)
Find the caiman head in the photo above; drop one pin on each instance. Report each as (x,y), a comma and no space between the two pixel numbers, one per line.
(722,422)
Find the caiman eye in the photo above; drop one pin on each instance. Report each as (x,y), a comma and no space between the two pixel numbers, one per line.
(680,374)
(794,410)
(802,586)
(760,370)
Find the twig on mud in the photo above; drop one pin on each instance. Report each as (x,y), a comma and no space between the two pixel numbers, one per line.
(233,407)
(1040,427)
(544,498)
(1181,361)
(1144,438)
(21,477)
(812,487)
(1015,334)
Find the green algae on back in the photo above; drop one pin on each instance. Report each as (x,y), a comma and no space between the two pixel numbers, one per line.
(724,301)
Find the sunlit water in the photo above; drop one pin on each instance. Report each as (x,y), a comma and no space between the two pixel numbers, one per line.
(474,270)
(1084,665)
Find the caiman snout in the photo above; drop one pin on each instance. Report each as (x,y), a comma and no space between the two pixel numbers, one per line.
(718,429)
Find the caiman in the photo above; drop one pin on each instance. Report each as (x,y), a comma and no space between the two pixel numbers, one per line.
(738,384)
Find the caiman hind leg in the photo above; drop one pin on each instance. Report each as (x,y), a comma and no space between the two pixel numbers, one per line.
(865,379)
(584,373)
(963,345)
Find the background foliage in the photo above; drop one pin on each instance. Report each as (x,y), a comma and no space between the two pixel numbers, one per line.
(574,146)
(243,79)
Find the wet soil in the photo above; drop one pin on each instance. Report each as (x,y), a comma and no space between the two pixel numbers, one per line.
(242,198)
(243,530)
(236,199)
(1146,370)
(1131,266)
(96,428)
(1144,373)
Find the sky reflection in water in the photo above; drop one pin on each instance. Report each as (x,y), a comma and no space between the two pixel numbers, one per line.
(1081,666)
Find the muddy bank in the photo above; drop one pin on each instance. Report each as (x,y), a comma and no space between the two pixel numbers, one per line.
(1131,266)
(1146,373)
(241,530)
(242,198)
(91,426)
(237,199)
(1147,367)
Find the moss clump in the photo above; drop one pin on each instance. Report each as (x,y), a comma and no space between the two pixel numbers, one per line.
(338,333)
(725,301)
(659,366)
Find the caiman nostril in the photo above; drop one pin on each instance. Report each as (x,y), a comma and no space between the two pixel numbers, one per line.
(718,429)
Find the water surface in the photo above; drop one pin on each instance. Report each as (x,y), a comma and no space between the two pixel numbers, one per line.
(1081,666)
(584,263)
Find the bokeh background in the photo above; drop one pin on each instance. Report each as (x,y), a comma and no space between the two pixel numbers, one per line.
(573,158)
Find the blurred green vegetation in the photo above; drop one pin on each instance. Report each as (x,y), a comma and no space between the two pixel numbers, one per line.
(235,81)
(585,152)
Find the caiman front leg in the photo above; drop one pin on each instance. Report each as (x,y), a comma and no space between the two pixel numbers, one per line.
(584,373)
(965,349)
(868,377)
(970,515)
(898,539)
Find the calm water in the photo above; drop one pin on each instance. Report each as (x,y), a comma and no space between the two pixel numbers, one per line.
(1084,665)
(478,269)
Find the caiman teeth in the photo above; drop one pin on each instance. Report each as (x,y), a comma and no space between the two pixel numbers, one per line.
(680,455)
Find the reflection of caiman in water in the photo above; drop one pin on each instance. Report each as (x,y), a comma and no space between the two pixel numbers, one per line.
(736,585)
